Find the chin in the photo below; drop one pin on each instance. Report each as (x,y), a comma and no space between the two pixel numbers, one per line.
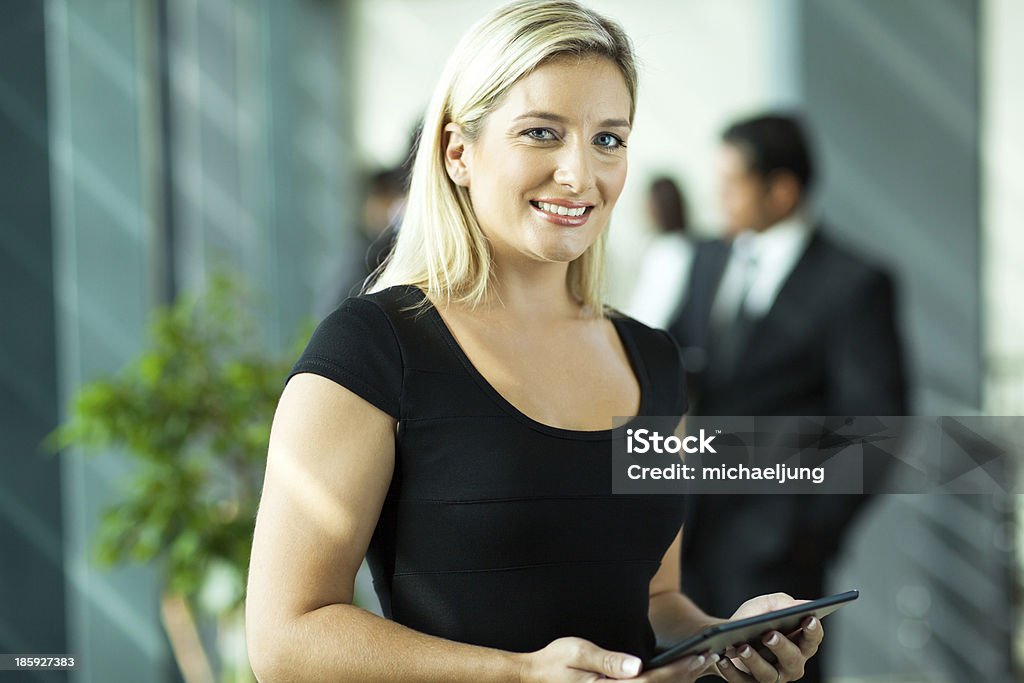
(564,257)
(561,253)
(564,247)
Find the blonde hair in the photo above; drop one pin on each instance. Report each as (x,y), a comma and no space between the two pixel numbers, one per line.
(440,246)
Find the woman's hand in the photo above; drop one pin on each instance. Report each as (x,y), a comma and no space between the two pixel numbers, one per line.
(576,660)
(682,670)
(745,665)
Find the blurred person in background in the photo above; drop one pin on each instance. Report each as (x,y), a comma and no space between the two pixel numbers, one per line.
(382,213)
(779,319)
(665,269)
(452,425)
(380,216)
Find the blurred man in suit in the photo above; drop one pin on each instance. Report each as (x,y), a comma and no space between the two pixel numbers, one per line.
(780,319)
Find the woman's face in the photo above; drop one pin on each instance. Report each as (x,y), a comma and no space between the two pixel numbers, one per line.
(550,161)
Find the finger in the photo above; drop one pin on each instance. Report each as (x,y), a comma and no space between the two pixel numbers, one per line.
(589,657)
(733,653)
(810,636)
(681,670)
(760,669)
(789,658)
(730,673)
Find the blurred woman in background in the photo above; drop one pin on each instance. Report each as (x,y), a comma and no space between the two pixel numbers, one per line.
(665,270)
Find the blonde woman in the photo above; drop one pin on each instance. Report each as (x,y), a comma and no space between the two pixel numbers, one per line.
(452,426)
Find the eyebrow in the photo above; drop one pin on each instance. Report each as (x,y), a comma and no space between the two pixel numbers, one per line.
(557,118)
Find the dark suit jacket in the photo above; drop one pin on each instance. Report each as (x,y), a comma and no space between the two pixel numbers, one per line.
(827,346)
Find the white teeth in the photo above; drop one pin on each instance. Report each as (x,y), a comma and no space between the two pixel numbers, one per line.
(561,210)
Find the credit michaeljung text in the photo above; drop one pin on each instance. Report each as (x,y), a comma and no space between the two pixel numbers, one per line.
(778,473)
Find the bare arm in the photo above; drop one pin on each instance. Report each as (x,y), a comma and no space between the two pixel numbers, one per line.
(673,615)
(329,466)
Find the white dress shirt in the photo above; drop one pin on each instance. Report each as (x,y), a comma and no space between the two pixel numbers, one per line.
(661,284)
(759,264)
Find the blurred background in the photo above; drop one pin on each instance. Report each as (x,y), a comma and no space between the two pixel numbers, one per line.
(146,143)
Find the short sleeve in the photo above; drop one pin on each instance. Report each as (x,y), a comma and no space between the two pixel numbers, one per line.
(356,346)
(672,369)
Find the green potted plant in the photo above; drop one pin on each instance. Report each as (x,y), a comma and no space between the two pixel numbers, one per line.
(194,412)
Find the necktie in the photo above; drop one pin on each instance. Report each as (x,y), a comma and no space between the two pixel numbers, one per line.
(735,323)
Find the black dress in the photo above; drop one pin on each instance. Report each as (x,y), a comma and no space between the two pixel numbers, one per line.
(498,530)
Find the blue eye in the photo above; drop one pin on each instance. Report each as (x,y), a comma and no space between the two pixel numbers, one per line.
(609,141)
(541,134)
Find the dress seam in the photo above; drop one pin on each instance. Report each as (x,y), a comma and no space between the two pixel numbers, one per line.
(523,566)
(607,497)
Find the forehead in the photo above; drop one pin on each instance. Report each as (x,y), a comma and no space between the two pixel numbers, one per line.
(576,87)
(731,159)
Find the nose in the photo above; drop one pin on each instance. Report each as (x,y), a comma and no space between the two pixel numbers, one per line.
(574,171)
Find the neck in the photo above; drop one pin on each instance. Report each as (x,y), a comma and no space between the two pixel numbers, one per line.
(789,215)
(532,290)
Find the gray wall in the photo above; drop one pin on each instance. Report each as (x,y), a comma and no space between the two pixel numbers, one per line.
(259,148)
(106,246)
(892,91)
(141,138)
(31,611)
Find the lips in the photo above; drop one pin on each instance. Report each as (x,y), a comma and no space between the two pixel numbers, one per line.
(562,212)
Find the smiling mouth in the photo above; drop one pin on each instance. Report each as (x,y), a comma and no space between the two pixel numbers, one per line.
(557,210)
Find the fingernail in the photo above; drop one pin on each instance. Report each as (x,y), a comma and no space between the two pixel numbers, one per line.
(698,663)
(723,664)
(630,666)
(746,653)
(773,640)
(714,657)
(813,625)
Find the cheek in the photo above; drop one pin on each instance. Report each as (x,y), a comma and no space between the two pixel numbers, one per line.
(521,170)
(729,205)
(612,180)
(738,200)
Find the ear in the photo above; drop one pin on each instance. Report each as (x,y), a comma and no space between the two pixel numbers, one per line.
(455,156)
(785,193)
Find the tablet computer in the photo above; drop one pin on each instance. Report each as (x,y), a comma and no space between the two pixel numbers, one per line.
(719,637)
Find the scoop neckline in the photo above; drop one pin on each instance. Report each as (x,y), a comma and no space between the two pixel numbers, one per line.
(633,355)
